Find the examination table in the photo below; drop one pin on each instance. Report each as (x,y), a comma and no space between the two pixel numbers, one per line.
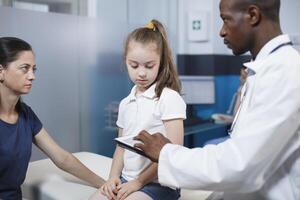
(44,181)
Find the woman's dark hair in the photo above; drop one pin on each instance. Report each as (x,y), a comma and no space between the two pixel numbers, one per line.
(10,48)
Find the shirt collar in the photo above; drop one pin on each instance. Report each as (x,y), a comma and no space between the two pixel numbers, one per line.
(265,51)
(149,93)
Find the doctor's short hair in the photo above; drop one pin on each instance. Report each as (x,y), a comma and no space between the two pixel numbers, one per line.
(154,32)
(269,8)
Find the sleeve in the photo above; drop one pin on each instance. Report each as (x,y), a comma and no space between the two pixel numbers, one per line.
(171,105)
(36,124)
(120,121)
(246,161)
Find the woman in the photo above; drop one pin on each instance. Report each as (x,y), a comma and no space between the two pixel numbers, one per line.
(19,126)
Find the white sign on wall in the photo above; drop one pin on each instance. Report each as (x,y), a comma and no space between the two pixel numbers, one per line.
(198,26)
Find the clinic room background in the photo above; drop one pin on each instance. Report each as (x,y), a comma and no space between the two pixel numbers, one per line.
(82,78)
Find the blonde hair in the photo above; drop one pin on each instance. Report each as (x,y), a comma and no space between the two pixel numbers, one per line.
(154,32)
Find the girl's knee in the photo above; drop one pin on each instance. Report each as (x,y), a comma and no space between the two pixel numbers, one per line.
(98,196)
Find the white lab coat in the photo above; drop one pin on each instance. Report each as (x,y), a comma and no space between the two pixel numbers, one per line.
(261,160)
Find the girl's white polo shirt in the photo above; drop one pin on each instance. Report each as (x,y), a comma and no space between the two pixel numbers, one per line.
(146,112)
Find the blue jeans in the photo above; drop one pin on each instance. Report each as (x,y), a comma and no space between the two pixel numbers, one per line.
(158,192)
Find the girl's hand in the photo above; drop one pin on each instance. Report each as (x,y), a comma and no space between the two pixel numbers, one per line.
(109,188)
(125,189)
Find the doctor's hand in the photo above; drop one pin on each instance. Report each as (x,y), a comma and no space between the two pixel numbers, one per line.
(151,144)
(125,189)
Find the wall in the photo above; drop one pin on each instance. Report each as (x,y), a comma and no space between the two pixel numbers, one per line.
(290,20)
(213,58)
(57,75)
(133,14)
(184,46)
(289,14)
(80,62)
(137,13)
(79,72)
(208,58)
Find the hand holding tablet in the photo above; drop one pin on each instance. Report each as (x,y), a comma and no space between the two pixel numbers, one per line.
(127,142)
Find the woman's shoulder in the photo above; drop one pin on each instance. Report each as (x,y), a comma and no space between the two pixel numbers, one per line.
(24,107)
(27,110)
(31,118)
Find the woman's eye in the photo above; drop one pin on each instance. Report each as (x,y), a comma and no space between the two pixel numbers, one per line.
(24,69)
(34,70)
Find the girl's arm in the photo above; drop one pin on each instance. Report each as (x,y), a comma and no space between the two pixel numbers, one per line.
(175,133)
(117,164)
(174,130)
(109,187)
(65,160)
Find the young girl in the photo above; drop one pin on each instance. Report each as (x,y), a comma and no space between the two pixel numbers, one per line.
(19,126)
(155,105)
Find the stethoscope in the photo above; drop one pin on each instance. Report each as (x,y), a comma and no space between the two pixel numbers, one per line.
(245,91)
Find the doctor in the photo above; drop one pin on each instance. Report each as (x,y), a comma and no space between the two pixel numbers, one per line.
(261,160)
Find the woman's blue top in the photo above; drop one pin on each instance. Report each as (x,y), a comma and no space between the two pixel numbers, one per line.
(15,151)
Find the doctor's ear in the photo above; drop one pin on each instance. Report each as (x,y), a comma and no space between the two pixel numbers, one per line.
(254,15)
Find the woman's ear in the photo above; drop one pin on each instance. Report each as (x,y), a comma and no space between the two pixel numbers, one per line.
(1,73)
(254,14)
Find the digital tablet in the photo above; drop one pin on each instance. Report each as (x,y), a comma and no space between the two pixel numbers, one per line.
(127,142)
